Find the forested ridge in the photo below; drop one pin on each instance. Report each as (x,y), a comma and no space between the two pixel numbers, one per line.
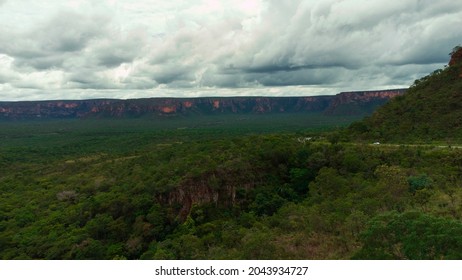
(430,110)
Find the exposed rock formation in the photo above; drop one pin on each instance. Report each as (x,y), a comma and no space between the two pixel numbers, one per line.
(456,56)
(363,103)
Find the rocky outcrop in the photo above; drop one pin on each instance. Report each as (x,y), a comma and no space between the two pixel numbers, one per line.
(360,102)
(456,56)
(51,109)
(162,107)
(217,188)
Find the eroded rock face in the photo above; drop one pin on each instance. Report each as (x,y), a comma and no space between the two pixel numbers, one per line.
(113,108)
(358,102)
(51,109)
(199,191)
(456,57)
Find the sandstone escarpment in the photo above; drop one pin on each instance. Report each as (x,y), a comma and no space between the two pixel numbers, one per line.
(164,107)
(360,102)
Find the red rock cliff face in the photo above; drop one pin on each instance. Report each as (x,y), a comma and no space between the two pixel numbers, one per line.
(112,108)
(456,57)
(456,60)
(365,96)
(360,101)
(50,109)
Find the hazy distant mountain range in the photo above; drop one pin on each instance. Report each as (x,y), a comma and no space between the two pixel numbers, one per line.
(345,103)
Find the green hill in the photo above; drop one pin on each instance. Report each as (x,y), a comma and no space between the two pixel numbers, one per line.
(430,110)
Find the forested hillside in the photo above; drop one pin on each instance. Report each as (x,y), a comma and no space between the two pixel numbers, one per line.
(430,110)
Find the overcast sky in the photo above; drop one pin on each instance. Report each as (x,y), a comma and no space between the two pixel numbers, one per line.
(76,49)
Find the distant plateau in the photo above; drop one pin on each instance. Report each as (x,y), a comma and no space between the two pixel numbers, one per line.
(345,103)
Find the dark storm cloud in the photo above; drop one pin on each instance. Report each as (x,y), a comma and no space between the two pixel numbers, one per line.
(87,80)
(300,77)
(288,68)
(41,62)
(113,59)
(113,51)
(169,77)
(353,34)
(69,32)
(51,44)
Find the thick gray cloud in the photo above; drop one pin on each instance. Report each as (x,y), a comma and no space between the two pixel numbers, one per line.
(352,34)
(84,49)
(49,45)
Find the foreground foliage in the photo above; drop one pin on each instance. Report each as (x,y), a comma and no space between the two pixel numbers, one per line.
(108,190)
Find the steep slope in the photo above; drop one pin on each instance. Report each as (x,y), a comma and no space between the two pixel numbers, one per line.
(430,110)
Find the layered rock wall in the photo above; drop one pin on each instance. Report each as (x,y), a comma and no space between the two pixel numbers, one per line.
(113,108)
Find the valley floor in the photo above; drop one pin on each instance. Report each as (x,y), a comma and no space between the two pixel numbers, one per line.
(132,189)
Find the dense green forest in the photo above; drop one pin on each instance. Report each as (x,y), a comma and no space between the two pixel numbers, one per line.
(255,188)
(284,186)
